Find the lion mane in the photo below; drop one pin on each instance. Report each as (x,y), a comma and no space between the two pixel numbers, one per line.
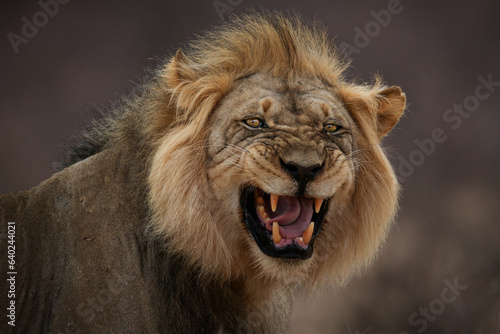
(153,223)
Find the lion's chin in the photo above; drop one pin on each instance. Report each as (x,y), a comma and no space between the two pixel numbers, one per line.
(282,226)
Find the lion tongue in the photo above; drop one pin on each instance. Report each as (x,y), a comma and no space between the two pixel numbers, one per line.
(293,214)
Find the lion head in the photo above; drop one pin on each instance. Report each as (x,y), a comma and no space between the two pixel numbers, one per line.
(271,165)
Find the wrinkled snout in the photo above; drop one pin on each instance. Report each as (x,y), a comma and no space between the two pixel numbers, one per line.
(302,163)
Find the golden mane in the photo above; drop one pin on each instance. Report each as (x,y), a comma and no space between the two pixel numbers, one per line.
(173,214)
(250,43)
(195,83)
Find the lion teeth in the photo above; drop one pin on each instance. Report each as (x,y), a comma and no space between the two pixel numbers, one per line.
(274,202)
(276,233)
(317,204)
(308,233)
(260,200)
(262,211)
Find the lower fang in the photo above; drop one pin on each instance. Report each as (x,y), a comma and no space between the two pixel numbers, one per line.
(276,233)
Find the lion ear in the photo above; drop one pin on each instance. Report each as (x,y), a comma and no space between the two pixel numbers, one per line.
(179,70)
(391,104)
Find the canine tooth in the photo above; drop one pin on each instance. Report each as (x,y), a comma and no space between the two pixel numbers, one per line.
(260,200)
(276,233)
(308,233)
(317,204)
(274,201)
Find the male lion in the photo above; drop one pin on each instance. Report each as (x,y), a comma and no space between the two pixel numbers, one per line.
(244,168)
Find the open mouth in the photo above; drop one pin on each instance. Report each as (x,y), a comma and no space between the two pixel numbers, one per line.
(283,226)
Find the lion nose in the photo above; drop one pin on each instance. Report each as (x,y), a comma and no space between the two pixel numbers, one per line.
(302,165)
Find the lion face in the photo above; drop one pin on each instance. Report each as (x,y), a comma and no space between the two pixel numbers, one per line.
(282,149)
(268,162)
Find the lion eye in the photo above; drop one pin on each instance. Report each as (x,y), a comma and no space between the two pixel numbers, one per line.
(254,122)
(330,127)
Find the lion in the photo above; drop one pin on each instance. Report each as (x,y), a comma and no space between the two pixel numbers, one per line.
(247,166)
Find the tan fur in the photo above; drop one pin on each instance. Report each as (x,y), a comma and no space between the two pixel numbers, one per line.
(194,191)
(146,218)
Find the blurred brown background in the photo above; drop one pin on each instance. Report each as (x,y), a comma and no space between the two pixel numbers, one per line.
(447,234)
